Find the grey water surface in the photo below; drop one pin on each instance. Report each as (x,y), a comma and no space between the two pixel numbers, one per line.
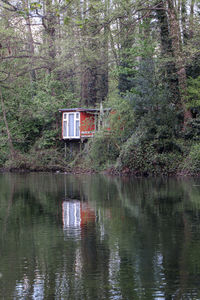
(93,237)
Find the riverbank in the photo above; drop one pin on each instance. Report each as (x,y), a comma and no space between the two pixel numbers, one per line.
(82,170)
(134,159)
(49,169)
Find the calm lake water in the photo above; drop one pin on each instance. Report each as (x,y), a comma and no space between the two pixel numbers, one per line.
(96,237)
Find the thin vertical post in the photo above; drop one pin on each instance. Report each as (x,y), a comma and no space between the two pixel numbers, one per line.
(65,150)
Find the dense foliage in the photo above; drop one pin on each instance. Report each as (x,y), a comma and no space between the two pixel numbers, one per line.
(141,58)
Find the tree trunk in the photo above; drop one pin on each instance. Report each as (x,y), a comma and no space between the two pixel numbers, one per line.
(183,21)
(10,143)
(30,40)
(169,73)
(49,24)
(178,58)
(126,39)
(191,19)
(103,64)
(113,47)
(90,59)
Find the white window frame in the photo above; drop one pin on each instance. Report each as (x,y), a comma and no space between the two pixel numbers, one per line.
(66,119)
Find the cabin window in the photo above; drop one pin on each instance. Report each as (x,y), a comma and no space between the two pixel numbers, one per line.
(77,128)
(71,125)
(64,128)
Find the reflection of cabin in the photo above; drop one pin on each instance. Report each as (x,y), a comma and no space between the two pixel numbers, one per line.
(81,123)
(75,216)
(71,214)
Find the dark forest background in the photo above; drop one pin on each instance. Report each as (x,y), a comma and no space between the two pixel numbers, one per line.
(141,58)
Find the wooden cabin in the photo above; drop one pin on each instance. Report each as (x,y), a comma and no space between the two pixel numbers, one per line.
(81,123)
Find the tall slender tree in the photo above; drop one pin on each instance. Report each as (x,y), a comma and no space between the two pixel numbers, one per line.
(178,58)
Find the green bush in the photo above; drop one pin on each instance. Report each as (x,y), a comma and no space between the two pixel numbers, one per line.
(191,164)
(193,93)
(122,120)
(48,139)
(192,131)
(143,159)
(4,151)
(41,160)
(103,150)
(20,162)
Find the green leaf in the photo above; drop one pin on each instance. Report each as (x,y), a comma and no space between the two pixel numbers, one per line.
(67,20)
(79,23)
(35,5)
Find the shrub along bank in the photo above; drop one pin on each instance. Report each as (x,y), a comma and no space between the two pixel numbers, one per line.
(129,56)
(140,143)
(148,135)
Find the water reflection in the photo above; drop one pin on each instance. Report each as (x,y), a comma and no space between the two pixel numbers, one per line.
(76,216)
(95,237)
(71,218)
(24,288)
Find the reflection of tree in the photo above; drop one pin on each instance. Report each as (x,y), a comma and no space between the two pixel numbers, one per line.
(139,238)
(20,208)
(10,202)
(161,213)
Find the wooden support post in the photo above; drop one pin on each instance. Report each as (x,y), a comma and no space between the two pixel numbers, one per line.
(71,148)
(65,150)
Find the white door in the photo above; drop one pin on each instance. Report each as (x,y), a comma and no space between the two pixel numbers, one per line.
(71,125)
